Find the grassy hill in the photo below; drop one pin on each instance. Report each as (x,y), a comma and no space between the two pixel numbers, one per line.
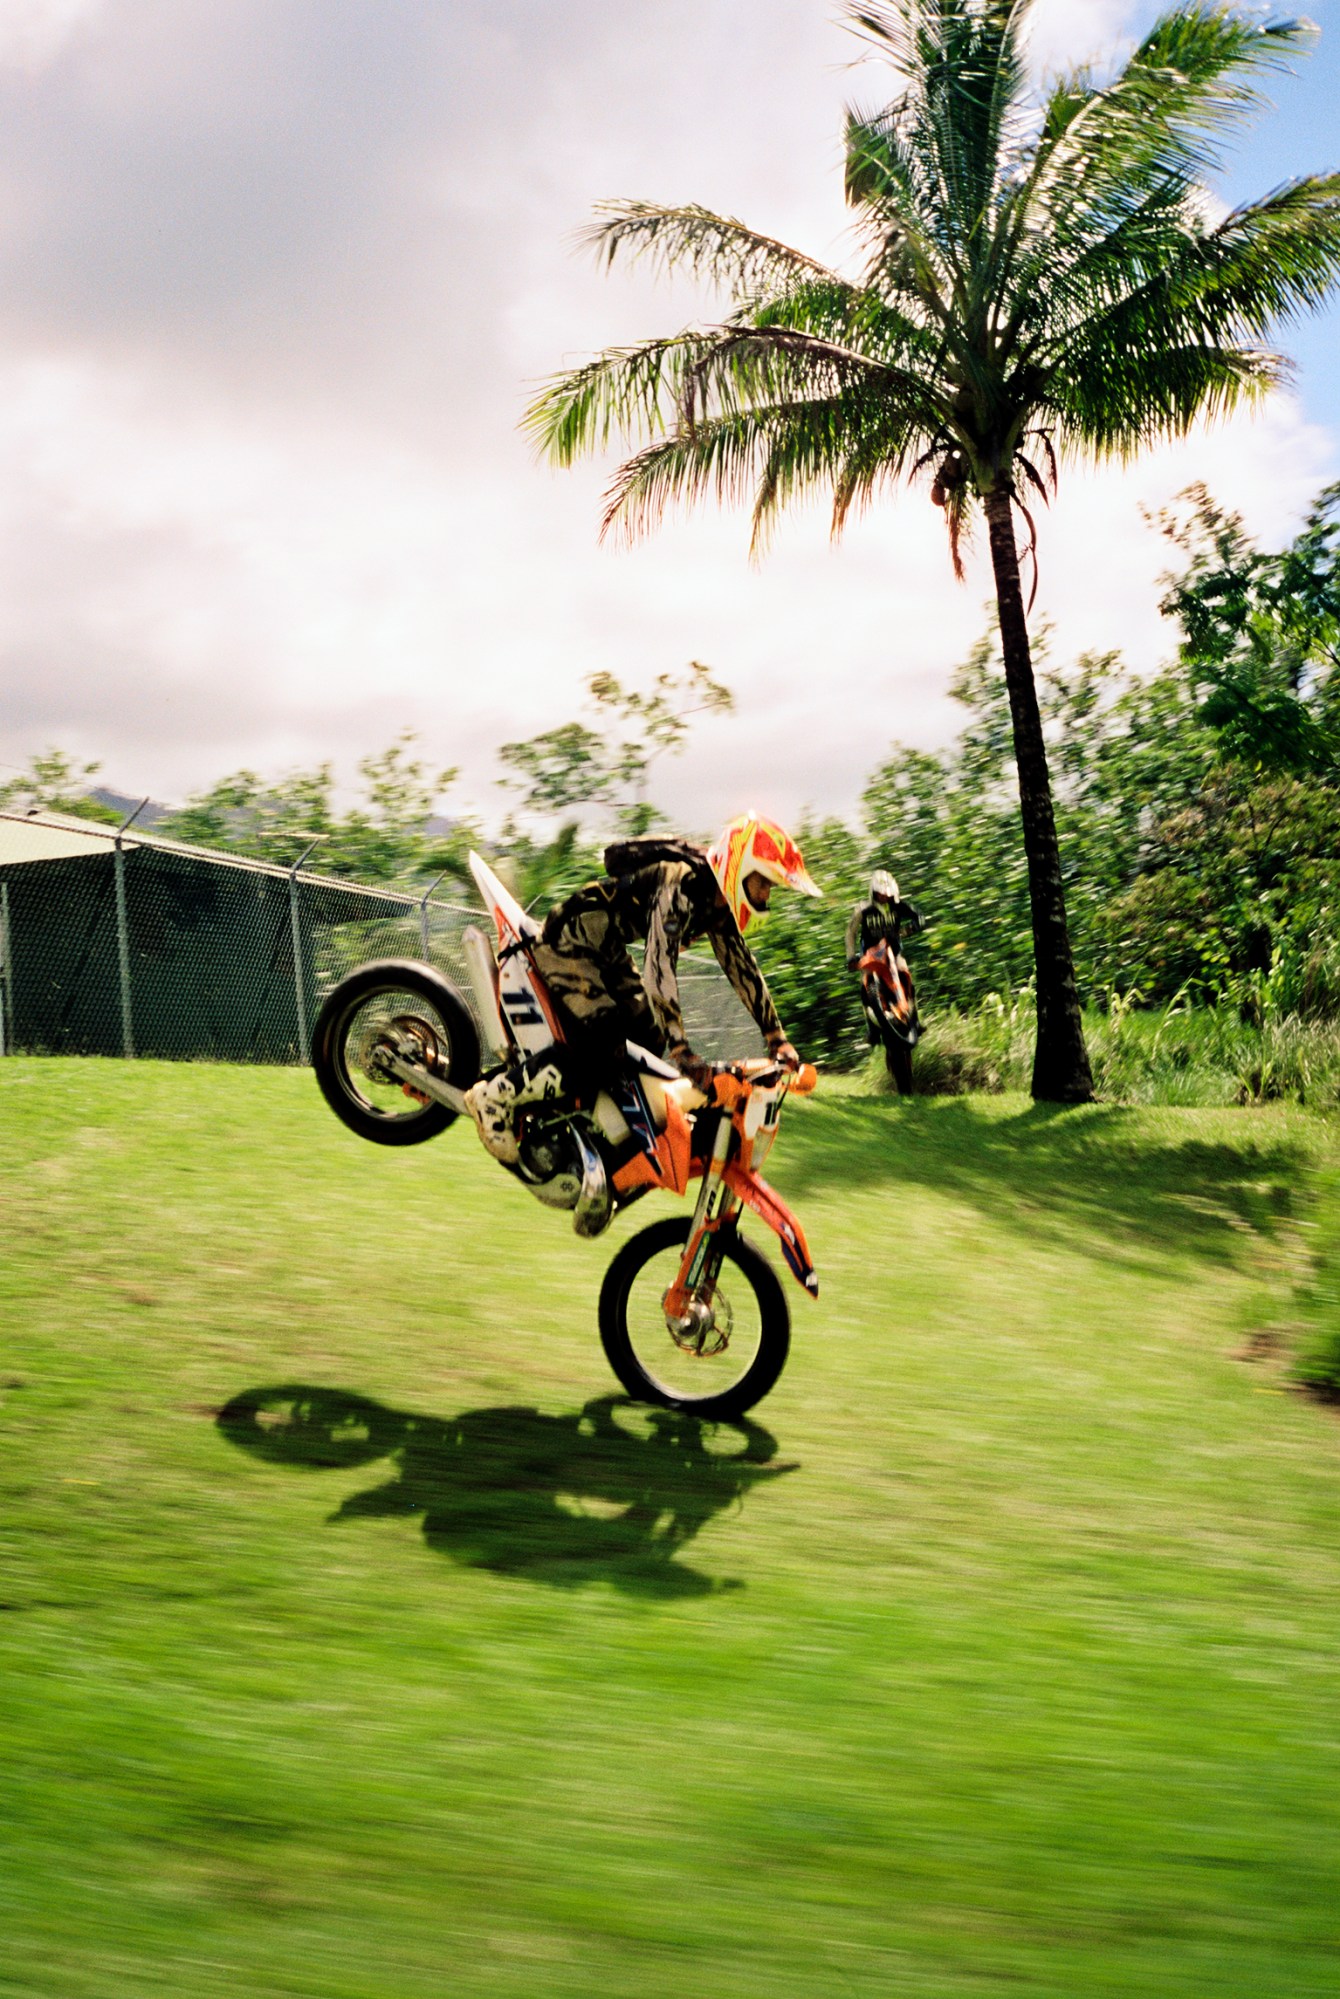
(356,1640)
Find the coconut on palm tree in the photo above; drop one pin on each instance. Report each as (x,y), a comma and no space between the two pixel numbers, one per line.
(1041,276)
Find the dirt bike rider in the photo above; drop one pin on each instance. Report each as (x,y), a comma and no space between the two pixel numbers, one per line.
(664,894)
(883,915)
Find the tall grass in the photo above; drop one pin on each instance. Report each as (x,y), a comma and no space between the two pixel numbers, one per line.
(1176,1054)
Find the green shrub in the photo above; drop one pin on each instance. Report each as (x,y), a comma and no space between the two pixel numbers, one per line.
(1176,1054)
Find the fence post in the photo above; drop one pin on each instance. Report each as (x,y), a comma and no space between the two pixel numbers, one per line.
(6,981)
(304,1046)
(423,913)
(123,934)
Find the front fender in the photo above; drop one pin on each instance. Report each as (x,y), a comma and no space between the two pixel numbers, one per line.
(768,1203)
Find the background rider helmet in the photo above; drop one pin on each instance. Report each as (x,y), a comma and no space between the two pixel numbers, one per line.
(883,887)
(751,855)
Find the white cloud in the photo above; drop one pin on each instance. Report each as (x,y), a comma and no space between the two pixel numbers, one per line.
(274,275)
(1063,34)
(181,591)
(34,33)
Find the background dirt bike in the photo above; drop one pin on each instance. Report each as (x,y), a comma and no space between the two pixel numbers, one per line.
(691,1315)
(889,999)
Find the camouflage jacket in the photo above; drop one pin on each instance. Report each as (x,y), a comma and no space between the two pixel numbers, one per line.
(870,921)
(665,907)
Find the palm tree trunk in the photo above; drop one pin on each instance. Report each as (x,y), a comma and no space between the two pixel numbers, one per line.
(1061,1072)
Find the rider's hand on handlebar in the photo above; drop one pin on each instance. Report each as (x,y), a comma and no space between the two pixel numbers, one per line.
(786,1055)
(692,1066)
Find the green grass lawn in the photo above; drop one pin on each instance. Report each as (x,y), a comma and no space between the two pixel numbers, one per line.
(1002,1656)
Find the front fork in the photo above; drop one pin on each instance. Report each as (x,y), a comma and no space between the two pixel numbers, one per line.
(716,1206)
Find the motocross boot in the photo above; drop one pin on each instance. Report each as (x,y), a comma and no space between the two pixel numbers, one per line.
(493,1103)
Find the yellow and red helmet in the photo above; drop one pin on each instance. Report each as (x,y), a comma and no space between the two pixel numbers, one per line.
(754,846)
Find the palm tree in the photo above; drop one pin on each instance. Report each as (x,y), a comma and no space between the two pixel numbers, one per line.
(1040,277)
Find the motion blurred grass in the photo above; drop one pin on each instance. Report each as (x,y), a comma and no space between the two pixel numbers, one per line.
(1005,1659)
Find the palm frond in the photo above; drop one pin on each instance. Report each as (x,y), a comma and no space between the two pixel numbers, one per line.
(1035,478)
(1170,110)
(856,318)
(1227,287)
(927,170)
(854,444)
(715,247)
(1114,405)
(766,457)
(1059,278)
(894,30)
(719,460)
(749,367)
(1155,132)
(914,251)
(1274,259)
(618,393)
(1030,552)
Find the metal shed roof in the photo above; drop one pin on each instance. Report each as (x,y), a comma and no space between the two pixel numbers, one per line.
(50,837)
(27,837)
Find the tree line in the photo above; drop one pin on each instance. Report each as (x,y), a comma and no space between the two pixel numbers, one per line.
(1197,808)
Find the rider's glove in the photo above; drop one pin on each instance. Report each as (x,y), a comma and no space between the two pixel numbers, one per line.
(783,1052)
(698,1072)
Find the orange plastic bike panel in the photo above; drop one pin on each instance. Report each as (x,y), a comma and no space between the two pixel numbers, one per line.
(770,1206)
(729,1092)
(674,1147)
(670,1167)
(639,1171)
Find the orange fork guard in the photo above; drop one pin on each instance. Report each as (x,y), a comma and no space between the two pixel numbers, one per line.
(768,1203)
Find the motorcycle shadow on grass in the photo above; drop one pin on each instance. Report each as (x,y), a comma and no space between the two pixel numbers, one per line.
(612,1493)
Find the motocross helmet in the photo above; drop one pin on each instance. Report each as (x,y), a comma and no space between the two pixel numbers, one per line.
(754,846)
(883,887)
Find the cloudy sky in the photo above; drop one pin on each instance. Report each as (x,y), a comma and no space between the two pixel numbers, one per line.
(278,277)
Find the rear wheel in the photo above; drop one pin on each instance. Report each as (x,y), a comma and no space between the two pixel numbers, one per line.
(728,1359)
(392,1007)
(898,1062)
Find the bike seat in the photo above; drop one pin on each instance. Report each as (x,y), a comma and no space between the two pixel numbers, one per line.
(647,1064)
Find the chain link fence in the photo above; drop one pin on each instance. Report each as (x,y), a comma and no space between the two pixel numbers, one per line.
(139,946)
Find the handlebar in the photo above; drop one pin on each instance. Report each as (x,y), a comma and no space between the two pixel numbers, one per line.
(737,1079)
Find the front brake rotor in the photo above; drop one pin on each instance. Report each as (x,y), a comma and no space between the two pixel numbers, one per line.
(705,1328)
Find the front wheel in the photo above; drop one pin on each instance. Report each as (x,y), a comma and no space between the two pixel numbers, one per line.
(736,1349)
(392,1007)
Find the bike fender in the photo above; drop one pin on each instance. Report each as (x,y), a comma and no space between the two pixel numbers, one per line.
(769,1205)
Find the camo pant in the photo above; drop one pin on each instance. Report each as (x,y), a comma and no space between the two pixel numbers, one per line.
(595,986)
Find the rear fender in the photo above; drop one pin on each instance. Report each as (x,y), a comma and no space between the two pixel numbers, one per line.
(769,1205)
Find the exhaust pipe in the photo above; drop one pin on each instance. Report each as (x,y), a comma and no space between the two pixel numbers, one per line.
(479,964)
